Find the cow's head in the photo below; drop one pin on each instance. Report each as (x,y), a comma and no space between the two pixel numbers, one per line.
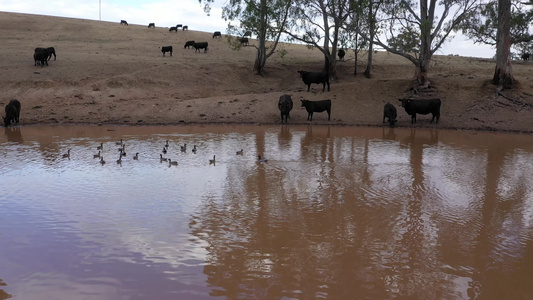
(302,73)
(404,101)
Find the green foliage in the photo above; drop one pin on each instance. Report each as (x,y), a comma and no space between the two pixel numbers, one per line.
(406,41)
(481,25)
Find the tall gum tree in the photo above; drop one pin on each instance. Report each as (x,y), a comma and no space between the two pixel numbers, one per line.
(506,25)
(503,72)
(266,18)
(416,30)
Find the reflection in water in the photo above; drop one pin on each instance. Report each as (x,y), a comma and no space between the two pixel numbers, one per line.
(336,213)
(13,134)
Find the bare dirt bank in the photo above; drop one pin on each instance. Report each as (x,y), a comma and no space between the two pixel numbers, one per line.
(106,73)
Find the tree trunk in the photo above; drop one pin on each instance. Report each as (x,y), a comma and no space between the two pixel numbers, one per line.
(421,73)
(371,28)
(260,59)
(503,73)
(356,52)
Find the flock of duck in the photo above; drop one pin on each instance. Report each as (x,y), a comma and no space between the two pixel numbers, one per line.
(183,149)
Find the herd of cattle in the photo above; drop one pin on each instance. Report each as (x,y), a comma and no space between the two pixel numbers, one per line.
(412,106)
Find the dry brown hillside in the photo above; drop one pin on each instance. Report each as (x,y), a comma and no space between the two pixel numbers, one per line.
(113,74)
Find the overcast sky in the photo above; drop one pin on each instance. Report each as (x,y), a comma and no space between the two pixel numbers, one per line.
(166,13)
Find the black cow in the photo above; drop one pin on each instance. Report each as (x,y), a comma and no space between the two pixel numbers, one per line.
(247,33)
(341,54)
(185,27)
(12,112)
(40,58)
(315,77)
(165,49)
(526,56)
(217,34)
(285,107)
(389,112)
(198,46)
(244,41)
(151,25)
(316,106)
(123,22)
(179,26)
(50,51)
(173,29)
(188,44)
(421,106)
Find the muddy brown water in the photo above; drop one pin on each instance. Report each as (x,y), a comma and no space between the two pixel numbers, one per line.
(335,213)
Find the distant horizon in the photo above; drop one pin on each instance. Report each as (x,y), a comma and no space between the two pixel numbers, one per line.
(187,12)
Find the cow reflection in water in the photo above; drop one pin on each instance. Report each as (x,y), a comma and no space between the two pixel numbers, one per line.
(13,134)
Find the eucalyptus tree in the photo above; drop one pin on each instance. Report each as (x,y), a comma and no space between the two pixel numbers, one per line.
(505,25)
(370,9)
(265,18)
(318,23)
(416,30)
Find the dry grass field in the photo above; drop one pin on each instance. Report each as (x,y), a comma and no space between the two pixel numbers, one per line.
(106,73)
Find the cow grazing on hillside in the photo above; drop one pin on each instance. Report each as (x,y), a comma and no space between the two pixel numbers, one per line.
(49,51)
(179,26)
(165,49)
(285,107)
(185,27)
(151,25)
(315,77)
(123,22)
(389,112)
(316,106)
(173,29)
(188,44)
(217,34)
(40,58)
(198,46)
(341,54)
(12,112)
(525,56)
(421,106)
(244,41)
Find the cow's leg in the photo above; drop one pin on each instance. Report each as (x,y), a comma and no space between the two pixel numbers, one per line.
(329,114)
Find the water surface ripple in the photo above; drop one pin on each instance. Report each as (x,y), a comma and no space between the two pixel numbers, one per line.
(335,213)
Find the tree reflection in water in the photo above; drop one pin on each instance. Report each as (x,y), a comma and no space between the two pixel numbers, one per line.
(337,212)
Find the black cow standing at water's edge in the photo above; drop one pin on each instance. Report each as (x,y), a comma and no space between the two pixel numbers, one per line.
(389,112)
(285,107)
(12,112)
(316,106)
(422,106)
